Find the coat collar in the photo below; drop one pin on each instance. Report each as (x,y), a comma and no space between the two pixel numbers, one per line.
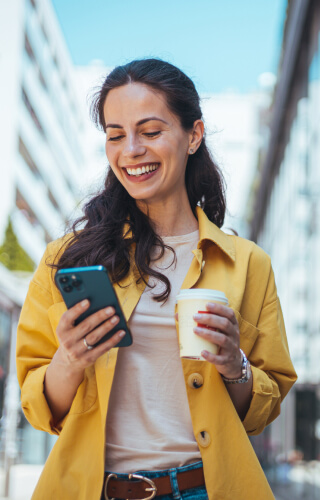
(209,231)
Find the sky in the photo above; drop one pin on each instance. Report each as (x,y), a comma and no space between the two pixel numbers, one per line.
(221,44)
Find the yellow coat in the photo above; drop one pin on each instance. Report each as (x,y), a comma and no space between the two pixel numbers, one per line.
(75,467)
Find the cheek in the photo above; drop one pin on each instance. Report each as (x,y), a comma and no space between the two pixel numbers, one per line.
(111,154)
(111,160)
(168,150)
(107,149)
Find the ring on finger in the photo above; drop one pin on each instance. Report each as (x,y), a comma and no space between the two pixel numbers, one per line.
(88,346)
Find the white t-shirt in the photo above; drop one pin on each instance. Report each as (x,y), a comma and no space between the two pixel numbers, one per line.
(148,423)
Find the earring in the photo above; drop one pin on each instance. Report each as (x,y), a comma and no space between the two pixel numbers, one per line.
(190,151)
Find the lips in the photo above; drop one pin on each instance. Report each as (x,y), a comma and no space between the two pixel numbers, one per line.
(141,172)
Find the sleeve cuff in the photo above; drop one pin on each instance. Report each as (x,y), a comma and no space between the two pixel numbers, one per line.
(34,403)
(264,395)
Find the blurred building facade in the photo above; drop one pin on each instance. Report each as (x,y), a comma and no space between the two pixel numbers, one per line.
(285,219)
(43,163)
(235,131)
(41,125)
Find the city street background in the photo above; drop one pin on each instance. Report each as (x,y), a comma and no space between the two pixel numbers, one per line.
(256,66)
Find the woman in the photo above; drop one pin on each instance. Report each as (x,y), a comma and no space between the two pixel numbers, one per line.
(182,425)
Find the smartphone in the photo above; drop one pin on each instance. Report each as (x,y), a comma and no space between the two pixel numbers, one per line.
(92,283)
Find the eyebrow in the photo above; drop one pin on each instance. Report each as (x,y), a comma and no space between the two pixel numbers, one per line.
(140,122)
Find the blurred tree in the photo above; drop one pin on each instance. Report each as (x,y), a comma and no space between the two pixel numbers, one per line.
(12,255)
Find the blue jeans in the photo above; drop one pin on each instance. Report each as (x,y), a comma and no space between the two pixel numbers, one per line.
(199,493)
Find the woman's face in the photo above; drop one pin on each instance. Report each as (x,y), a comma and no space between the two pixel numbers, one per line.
(145,144)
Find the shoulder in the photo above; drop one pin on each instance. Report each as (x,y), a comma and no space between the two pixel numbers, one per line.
(56,248)
(249,249)
(44,274)
(256,264)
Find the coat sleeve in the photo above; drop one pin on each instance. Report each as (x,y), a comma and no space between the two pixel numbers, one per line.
(272,369)
(36,346)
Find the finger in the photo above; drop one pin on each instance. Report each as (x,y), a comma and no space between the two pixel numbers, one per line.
(176,317)
(93,321)
(217,338)
(95,335)
(216,359)
(220,310)
(217,322)
(69,317)
(90,356)
(83,356)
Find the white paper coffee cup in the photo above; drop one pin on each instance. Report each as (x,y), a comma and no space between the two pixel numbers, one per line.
(190,302)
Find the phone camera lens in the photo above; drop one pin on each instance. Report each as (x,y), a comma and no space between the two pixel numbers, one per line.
(67,288)
(63,280)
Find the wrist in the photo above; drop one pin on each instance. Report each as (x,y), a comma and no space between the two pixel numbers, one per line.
(237,371)
(232,376)
(245,372)
(66,368)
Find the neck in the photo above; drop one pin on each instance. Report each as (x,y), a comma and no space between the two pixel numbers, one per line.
(171,218)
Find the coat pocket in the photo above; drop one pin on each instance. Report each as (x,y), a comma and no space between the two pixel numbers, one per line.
(87,391)
(248,334)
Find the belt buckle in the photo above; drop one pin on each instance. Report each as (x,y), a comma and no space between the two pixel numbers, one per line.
(153,488)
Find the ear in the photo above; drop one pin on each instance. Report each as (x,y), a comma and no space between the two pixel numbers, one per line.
(196,136)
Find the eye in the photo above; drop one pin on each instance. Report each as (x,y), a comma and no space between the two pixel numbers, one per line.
(152,134)
(116,138)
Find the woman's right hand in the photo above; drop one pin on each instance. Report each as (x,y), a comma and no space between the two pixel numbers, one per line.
(73,350)
(66,370)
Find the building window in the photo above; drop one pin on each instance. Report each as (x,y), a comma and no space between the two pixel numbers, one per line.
(53,200)
(42,80)
(28,48)
(24,207)
(29,214)
(28,159)
(45,36)
(55,61)
(32,57)
(32,113)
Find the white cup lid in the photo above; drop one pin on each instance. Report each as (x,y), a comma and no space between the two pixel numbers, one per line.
(202,293)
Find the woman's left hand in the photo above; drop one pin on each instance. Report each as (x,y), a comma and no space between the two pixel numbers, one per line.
(220,327)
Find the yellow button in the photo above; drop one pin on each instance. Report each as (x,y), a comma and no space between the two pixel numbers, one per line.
(195,380)
(204,439)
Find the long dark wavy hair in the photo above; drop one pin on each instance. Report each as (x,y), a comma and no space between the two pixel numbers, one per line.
(116,233)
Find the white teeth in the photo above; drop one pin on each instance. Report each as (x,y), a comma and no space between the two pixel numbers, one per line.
(144,170)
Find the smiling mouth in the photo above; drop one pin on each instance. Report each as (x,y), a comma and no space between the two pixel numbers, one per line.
(146,169)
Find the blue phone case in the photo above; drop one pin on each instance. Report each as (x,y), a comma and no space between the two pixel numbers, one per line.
(92,283)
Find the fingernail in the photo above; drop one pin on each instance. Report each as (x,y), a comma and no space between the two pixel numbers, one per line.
(114,319)
(204,354)
(84,303)
(197,316)
(121,334)
(109,311)
(211,305)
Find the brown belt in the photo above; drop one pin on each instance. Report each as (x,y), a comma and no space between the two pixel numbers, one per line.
(139,487)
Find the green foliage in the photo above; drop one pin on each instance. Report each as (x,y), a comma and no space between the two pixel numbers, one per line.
(12,255)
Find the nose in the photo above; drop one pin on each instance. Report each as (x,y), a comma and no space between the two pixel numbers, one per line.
(132,147)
